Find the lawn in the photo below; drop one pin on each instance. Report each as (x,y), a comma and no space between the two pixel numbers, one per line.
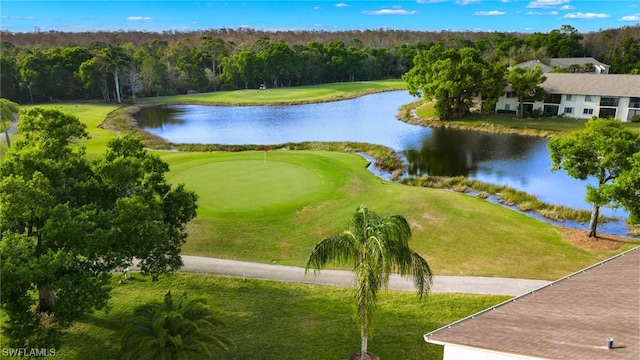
(458,234)
(270,320)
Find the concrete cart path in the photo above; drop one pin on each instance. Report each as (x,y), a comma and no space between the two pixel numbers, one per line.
(441,284)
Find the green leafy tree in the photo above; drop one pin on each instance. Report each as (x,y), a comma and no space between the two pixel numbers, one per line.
(8,110)
(451,76)
(626,58)
(279,62)
(525,83)
(559,43)
(375,247)
(10,75)
(601,150)
(216,50)
(153,69)
(174,331)
(67,222)
(626,189)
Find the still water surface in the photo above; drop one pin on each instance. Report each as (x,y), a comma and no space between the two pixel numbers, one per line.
(521,162)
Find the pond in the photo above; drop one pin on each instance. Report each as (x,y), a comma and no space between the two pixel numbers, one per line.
(521,162)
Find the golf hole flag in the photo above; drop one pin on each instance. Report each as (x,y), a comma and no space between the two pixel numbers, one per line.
(265,155)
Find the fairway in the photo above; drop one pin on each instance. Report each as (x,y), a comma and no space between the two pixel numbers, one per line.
(249,185)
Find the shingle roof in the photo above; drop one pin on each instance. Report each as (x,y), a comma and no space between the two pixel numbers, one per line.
(593,84)
(532,64)
(568,319)
(566,62)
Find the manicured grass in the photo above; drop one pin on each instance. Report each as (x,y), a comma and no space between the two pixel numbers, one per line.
(458,234)
(270,320)
(90,113)
(285,95)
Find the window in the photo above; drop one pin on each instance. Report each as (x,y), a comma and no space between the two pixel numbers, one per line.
(634,102)
(568,110)
(553,99)
(633,114)
(589,98)
(507,106)
(587,111)
(607,113)
(608,101)
(571,97)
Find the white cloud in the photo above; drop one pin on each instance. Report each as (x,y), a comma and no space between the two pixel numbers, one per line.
(489,13)
(391,12)
(538,13)
(139,18)
(587,16)
(546,4)
(567,7)
(430,1)
(341,5)
(634,17)
(467,2)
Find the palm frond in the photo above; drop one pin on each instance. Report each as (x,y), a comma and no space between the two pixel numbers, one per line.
(376,247)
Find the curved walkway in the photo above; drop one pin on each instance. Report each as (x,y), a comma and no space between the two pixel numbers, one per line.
(441,284)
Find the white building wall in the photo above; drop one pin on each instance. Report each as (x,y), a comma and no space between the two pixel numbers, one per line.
(578,103)
(623,108)
(503,101)
(455,352)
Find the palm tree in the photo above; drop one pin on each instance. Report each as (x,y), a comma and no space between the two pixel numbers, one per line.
(8,109)
(173,331)
(375,246)
(115,59)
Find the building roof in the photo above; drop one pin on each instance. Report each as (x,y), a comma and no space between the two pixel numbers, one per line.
(567,62)
(567,319)
(593,84)
(532,64)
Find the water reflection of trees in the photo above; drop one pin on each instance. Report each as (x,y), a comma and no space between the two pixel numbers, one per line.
(156,117)
(451,152)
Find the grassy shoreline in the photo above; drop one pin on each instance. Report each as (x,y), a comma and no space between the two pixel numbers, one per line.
(497,123)
(122,120)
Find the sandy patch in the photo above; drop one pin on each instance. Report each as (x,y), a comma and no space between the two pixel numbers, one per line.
(602,242)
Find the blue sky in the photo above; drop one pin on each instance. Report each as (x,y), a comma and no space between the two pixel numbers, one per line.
(422,15)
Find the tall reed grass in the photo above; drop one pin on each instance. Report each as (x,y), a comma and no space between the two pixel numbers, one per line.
(505,195)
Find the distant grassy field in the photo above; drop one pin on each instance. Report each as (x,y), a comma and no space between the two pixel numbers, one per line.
(285,95)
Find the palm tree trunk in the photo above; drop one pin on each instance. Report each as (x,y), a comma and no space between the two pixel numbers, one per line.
(593,223)
(363,344)
(6,132)
(115,78)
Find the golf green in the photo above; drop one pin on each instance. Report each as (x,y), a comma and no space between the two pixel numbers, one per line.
(255,183)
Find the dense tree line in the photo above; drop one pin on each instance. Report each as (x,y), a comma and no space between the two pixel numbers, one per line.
(42,67)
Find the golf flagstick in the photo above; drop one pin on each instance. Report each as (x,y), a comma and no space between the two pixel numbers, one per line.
(265,155)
